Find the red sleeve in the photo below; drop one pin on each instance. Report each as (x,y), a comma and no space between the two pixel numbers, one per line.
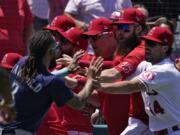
(82,80)
(131,61)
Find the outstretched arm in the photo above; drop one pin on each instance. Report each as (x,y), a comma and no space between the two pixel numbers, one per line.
(80,99)
(122,87)
(126,67)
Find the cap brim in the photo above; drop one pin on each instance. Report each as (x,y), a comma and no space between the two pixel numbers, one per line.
(6,66)
(91,33)
(151,38)
(124,22)
(52,28)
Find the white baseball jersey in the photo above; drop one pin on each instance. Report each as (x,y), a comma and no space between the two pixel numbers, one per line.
(161,97)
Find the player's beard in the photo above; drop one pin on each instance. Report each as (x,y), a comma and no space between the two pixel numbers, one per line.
(128,44)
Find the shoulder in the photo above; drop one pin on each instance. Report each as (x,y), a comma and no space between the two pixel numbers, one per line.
(51,79)
(138,51)
(144,65)
(164,66)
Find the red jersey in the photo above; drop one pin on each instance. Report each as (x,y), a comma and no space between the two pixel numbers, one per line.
(15,16)
(116,120)
(115,108)
(51,124)
(127,67)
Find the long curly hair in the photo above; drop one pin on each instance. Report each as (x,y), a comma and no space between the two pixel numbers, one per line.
(39,43)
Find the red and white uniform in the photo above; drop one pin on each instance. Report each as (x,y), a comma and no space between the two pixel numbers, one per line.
(15,16)
(161,97)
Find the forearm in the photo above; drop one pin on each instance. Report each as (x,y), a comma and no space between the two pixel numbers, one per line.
(106,64)
(79,23)
(81,98)
(110,75)
(122,87)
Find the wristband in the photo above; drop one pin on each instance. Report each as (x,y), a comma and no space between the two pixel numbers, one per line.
(63,72)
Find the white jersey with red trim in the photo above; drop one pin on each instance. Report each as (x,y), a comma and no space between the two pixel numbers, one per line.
(161,97)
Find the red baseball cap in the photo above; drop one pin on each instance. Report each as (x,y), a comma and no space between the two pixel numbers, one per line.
(160,35)
(60,23)
(131,16)
(10,59)
(63,22)
(98,26)
(74,36)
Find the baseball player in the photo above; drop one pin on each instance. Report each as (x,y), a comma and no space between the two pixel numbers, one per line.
(130,53)
(52,121)
(7,105)
(157,83)
(101,37)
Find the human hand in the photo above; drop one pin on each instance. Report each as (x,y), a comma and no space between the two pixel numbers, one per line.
(82,25)
(73,66)
(70,82)
(95,68)
(65,60)
(7,112)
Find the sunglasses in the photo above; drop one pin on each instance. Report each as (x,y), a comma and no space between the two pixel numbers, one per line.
(124,27)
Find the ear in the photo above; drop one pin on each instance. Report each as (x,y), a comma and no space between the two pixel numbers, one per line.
(138,29)
(165,48)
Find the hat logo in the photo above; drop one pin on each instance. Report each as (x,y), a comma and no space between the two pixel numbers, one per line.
(5,58)
(53,22)
(90,25)
(151,31)
(121,16)
(116,14)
